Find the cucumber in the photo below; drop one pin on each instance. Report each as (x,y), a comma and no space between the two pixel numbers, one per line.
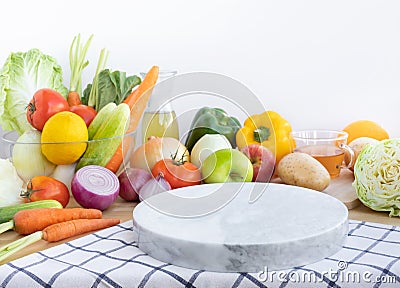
(8,212)
(109,135)
(100,118)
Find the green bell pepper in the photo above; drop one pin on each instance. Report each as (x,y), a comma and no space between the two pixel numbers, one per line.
(212,121)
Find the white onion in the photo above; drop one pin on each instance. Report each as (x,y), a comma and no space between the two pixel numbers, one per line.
(28,159)
(156,149)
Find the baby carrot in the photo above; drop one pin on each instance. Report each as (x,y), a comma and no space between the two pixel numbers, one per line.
(137,101)
(73,98)
(64,230)
(29,221)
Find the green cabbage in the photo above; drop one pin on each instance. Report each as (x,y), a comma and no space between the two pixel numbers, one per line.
(377,176)
(21,76)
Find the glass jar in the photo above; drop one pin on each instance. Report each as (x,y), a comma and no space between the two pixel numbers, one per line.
(159,119)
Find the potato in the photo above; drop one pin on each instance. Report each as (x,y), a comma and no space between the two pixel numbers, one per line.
(303,170)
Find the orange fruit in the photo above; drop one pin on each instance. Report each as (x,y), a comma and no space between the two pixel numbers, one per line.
(64,138)
(365,128)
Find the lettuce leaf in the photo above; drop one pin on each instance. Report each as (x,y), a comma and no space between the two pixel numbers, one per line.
(21,76)
(111,87)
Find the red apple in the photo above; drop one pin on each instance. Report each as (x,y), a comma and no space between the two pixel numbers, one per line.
(263,161)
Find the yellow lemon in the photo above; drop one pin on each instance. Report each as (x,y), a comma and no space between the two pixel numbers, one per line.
(64,138)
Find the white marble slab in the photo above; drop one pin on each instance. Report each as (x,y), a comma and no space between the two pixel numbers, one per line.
(216,227)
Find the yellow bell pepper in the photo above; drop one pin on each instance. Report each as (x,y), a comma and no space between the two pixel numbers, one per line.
(268,129)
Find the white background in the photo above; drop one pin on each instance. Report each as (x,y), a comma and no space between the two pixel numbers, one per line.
(320,64)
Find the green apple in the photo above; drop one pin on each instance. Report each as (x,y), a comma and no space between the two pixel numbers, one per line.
(227,165)
(206,145)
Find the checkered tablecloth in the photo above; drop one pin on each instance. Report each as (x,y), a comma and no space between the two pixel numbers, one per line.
(111,258)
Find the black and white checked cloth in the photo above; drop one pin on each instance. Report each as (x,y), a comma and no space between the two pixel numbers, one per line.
(111,258)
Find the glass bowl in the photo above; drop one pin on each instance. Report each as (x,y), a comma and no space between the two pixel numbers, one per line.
(64,172)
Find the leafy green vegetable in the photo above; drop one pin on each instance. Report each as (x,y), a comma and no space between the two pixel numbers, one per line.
(21,76)
(377,176)
(110,87)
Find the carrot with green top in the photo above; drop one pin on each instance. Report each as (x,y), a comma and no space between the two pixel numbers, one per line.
(137,102)
(29,221)
(57,232)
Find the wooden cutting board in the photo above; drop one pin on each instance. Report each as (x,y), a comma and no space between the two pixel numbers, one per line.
(341,188)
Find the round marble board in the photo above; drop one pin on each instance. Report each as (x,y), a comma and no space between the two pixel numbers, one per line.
(240,227)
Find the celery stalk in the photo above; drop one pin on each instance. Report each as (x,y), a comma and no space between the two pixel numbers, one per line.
(6,226)
(13,247)
(77,62)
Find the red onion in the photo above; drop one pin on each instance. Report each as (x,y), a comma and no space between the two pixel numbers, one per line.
(94,186)
(131,180)
(154,186)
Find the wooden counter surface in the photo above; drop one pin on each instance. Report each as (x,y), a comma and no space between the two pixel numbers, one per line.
(340,188)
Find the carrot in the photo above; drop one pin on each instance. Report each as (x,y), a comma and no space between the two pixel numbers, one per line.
(64,230)
(148,83)
(57,232)
(32,220)
(73,98)
(116,160)
(137,101)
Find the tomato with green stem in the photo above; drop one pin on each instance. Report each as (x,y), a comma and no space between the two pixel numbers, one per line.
(177,173)
(46,188)
(44,104)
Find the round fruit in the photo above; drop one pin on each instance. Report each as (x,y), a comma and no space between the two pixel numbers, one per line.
(44,104)
(263,161)
(365,128)
(227,165)
(64,138)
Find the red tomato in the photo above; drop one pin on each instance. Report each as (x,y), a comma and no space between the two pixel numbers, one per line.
(44,104)
(46,188)
(87,113)
(176,173)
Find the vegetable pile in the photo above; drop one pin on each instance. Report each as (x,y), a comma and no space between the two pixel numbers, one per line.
(79,138)
(75,139)
(217,149)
